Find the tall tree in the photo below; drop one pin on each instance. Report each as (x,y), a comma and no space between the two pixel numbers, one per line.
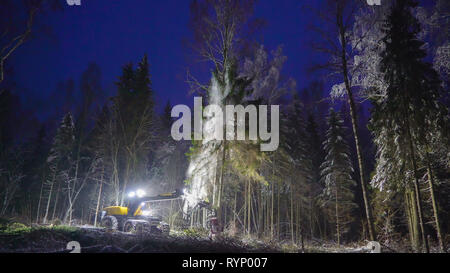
(84,161)
(338,17)
(218,30)
(133,110)
(100,146)
(411,108)
(316,153)
(60,161)
(336,173)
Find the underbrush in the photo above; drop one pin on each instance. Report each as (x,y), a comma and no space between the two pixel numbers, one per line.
(19,228)
(195,232)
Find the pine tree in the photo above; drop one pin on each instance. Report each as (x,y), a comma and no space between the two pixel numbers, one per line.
(337,176)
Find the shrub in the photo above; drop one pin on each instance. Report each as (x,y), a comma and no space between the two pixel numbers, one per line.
(57,222)
(16,228)
(196,232)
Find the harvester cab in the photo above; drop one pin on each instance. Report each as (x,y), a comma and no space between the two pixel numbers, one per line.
(138,215)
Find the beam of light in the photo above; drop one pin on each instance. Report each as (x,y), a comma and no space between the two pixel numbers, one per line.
(146,212)
(140,193)
(202,166)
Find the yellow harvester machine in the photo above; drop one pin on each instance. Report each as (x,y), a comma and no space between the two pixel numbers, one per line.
(138,215)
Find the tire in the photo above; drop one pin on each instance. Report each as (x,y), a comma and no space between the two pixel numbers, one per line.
(138,228)
(143,228)
(129,227)
(165,229)
(110,222)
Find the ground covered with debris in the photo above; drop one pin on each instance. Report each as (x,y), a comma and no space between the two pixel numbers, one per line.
(20,238)
(94,240)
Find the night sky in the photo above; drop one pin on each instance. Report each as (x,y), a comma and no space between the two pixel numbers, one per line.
(113,33)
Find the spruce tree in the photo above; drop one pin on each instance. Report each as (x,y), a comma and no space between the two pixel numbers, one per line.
(403,119)
(166,117)
(133,111)
(59,160)
(316,154)
(337,175)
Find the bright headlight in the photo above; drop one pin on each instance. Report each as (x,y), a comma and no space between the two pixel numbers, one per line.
(131,194)
(146,212)
(140,193)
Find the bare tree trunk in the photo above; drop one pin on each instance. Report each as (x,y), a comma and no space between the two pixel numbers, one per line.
(435,209)
(302,232)
(115,174)
(39,202)
(249,204)
(411,208)
(75,180)
(261,202)
(245,207)
(299,225)
(416,187)
(297,221)
(338,231)
(268,211)
(292,216)
(56,201)
(125,182)
(310,198)
(272,210)
(235,207)
(340,24)
(49,198)
(99,198)
(278,211)
(220,186)
(253,208)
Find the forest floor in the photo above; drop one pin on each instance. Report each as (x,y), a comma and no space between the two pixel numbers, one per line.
(94,240)
(54,239)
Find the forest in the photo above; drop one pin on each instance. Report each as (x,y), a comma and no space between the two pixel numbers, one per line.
(363,150)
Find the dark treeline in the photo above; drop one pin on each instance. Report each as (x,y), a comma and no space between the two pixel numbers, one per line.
(367,161)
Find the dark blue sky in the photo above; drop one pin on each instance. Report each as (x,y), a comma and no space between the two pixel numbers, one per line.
(112,33)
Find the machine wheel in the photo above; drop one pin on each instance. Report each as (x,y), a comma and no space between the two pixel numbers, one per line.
(138,228)
(165,229)
(143,228)
(110,222)
(129,226)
